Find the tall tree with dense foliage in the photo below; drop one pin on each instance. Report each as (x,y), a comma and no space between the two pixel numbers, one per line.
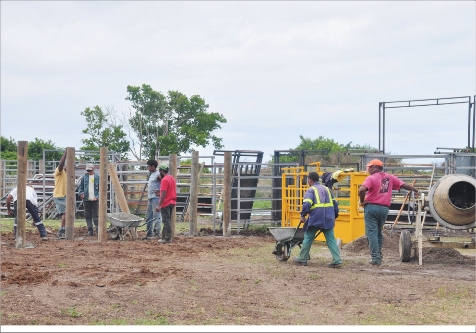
(334,152)
(321,143)
(35,150)
(104,131)
(8,148)
(172,123)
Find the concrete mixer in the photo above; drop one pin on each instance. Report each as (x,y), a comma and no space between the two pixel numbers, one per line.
(451,202)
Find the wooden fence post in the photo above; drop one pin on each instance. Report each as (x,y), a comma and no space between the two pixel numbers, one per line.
(3,173)
(103,166)
(22,165)
(193,194)
(31,171)
(173,172)
(70,192)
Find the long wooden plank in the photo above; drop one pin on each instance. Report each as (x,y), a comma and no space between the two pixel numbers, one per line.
(116,185)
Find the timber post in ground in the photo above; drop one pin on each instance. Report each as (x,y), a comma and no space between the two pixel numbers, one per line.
(173,173)
(22,159)
(70,192)
(102,209)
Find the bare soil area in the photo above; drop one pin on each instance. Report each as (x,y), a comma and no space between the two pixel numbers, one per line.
(213,280)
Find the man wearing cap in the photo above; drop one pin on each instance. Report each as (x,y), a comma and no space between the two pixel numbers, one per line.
(153,218)
(167,202)
(375,196)
(89,191)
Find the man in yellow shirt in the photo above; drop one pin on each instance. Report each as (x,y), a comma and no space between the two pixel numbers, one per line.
(59,193)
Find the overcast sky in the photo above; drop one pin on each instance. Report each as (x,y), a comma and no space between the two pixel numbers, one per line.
(275,70)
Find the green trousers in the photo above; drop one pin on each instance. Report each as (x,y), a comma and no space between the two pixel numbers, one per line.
(309,236)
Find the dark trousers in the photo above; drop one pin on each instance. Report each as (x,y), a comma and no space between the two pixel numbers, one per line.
(33,210)
(375,217)
(91,213)
(166,221)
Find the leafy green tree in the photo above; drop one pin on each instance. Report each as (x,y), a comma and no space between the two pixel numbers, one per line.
(9,155)
(337,153)
(104,131)
(364,148)
(8,148)
(171,123)
(35,150)
(321,143)
(327,146)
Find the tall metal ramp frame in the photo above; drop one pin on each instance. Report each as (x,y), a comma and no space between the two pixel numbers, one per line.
(384,106)
(244,181)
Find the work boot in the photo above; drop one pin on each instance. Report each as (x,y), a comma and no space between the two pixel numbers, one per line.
(62,233)
(89,225)
(42,230)
(90,233)
(334,265)
(299,262)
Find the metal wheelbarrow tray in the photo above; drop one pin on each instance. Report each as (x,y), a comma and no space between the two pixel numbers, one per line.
(284,233)
(123,224)
(286,239)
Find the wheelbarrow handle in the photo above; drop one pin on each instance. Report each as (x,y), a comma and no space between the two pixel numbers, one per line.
(297,228)
(140,225)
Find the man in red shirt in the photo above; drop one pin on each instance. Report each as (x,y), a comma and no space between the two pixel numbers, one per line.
(375,196)
(167,202)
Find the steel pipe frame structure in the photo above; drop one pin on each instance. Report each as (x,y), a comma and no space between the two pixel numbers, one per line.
(428,102)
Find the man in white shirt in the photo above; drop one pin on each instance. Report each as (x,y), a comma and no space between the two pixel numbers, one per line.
(89,191)
(153,218)
(31,206)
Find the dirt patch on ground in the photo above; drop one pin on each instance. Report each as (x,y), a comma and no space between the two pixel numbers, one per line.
(213,280)
(442,256)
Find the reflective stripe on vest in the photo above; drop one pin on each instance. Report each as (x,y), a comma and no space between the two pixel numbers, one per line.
(318,203)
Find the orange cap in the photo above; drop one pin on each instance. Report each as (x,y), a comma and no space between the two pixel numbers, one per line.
(375,162)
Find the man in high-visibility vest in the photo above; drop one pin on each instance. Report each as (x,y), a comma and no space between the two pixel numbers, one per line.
(322,210)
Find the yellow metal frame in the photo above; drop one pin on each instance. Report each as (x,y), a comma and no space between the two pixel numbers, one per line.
(350,224)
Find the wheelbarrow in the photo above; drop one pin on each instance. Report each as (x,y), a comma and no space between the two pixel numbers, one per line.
(122,224)
(286,239)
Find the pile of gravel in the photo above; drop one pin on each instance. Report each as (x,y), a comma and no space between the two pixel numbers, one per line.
(124,216)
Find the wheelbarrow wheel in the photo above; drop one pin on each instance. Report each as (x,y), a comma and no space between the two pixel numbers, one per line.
(114,232)
(405,246)
(282,252)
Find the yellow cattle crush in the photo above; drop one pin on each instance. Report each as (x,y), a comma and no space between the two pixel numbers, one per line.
(350,223)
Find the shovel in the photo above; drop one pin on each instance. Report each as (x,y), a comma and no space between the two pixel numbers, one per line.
(401,208)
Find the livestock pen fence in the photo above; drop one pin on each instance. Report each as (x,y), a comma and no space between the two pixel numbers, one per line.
(252,190)
(256,185)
